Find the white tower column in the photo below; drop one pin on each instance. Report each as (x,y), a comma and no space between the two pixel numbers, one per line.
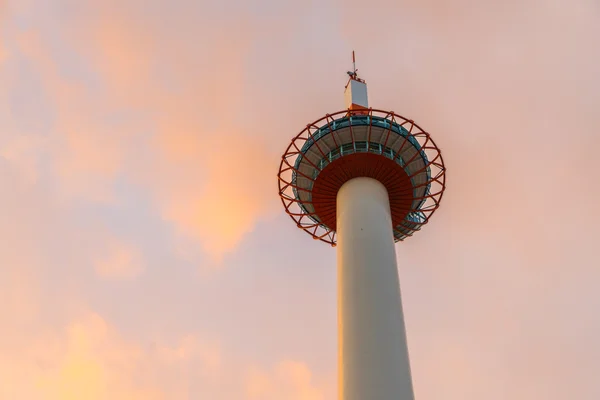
(373,354)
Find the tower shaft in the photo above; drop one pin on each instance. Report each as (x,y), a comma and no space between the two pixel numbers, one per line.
(373,353)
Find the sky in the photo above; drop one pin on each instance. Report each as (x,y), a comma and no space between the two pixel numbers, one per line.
(145,253)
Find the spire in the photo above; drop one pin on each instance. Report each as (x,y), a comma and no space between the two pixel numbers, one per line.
(354,73)
(356,90)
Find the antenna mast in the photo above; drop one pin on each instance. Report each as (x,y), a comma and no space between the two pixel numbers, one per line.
(354,73)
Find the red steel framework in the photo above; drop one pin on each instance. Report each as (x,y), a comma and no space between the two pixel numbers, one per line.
(407,199)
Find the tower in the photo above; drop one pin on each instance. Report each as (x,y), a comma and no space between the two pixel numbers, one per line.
(362,179)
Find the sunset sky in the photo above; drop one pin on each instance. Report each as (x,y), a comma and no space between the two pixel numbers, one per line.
(144,252)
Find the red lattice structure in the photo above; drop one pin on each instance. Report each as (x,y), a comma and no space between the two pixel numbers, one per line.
(367,143)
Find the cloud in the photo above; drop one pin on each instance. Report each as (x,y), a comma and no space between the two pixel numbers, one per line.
(23,153)
(209,354)
(167,126)
(123,261)
(91,360)
(288,381)
(55,345)
(3,51)
(139,113)
(225,206)
(494,288)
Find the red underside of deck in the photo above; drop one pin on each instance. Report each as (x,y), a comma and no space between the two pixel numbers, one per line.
(370,165)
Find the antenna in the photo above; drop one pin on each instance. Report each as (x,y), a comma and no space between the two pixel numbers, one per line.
(354,73)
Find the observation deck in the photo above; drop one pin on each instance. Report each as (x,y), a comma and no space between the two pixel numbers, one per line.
(361,143)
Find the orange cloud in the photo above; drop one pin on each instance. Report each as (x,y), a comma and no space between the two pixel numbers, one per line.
(219,209)
(92,365)
(90,360)
(160,102)
(288,381)
(210,173)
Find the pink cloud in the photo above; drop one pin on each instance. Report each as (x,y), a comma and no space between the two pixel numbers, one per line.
(226,204)
(210,176)
(23,152)
(91,360)
(171,104)
(55,346)
(123,261)
(288,380)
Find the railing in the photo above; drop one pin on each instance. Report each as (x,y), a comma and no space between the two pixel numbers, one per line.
(360,120)
(357,147)
(414,219)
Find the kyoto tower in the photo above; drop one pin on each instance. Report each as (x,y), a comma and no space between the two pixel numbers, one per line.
(362,179)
